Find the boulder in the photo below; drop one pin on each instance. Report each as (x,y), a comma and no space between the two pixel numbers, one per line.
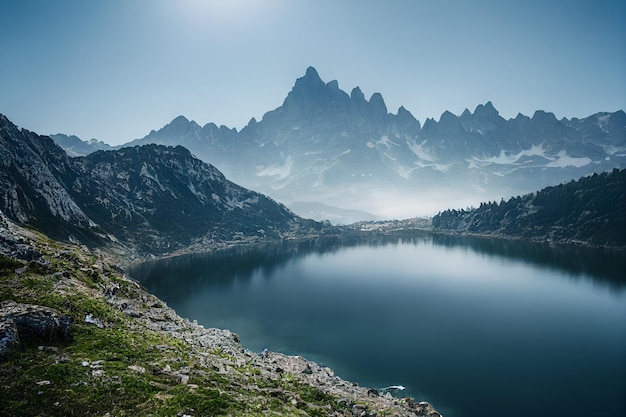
(27,323)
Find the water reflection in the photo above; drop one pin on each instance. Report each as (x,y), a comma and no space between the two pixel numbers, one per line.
(186,274)
(603,266)
(464,323)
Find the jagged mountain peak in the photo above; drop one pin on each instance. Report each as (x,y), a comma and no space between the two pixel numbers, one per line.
(378,103)
(404,114)
(311,81)
(521,117)
(3,119)
(311,73)
(181,122)
(447,117)
(486,110)
(544,116)
(357,95)
(333,85)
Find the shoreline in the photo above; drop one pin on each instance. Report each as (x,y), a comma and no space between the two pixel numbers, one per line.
(561,243)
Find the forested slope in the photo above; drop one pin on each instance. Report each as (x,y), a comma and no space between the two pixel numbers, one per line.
(591,210)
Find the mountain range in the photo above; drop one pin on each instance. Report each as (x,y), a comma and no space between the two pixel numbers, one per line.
(323,145)
(151,199)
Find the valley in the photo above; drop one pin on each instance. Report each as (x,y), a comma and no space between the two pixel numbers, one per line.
(76,216)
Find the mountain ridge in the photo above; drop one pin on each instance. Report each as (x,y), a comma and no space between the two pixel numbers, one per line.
(325,145)
(151,199)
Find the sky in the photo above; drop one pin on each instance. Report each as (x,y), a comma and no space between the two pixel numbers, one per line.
(116,69)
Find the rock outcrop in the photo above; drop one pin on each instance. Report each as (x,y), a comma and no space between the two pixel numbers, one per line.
(22,324)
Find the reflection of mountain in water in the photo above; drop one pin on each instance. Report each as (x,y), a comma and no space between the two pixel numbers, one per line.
(182,275)
(603,266)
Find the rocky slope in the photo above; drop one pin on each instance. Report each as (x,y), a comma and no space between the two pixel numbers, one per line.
(78,338)
(146,200)
(325,145)
(589,211)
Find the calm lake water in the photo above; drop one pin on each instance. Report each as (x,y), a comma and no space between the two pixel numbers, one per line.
(476,327)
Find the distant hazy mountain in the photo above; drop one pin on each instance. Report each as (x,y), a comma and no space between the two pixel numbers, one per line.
(152,198)
(591,210)
(325,145)
(75,146)
(337,216)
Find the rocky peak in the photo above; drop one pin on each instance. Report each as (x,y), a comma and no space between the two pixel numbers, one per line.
(311,83)
(357,95)
(4,120)
(448,118)
(541,116)
(484,119)
(377,104)
(180,125)
(405,118)
(486,110)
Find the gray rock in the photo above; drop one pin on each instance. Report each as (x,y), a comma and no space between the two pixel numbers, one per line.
(26,323)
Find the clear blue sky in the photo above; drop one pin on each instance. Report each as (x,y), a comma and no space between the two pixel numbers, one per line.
(115,69)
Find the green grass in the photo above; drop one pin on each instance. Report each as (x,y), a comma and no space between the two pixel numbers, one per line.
(8,265)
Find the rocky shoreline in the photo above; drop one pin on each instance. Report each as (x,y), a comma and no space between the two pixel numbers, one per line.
(176,358)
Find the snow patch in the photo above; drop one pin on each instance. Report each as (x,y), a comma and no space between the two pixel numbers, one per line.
(384,141)
(603,122)
(614,150)
(436,167)
(145,173)
(404,172)
(196,193)
(419,151)
(281,171)
(510,159)
(563,160)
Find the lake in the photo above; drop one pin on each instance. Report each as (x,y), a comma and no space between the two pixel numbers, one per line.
(474,326)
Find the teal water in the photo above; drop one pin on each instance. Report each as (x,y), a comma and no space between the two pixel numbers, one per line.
(476,327)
